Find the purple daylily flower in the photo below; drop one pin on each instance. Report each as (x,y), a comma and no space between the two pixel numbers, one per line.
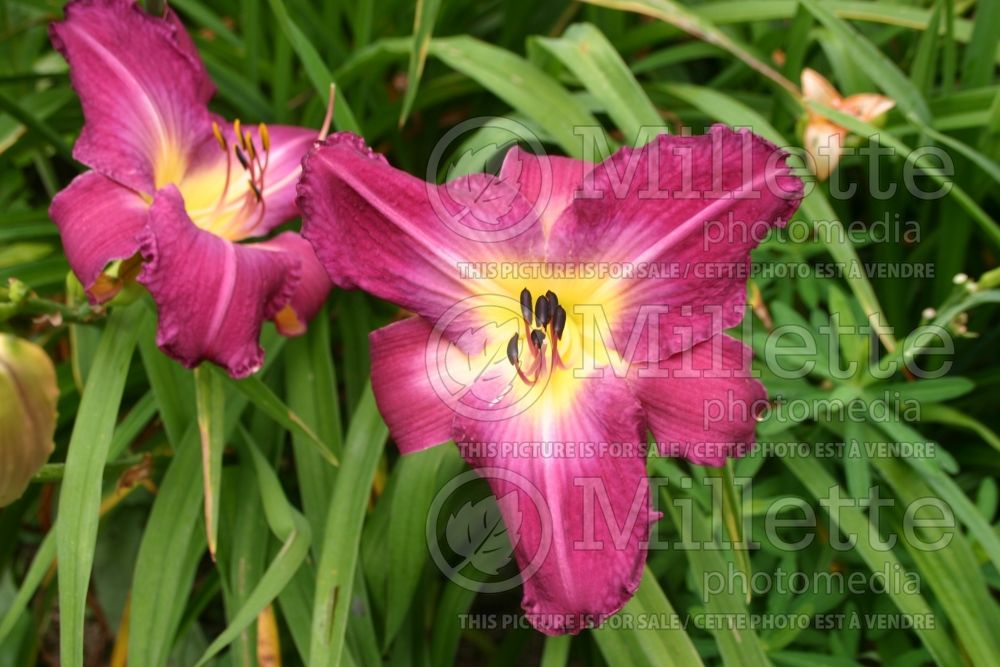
(546,369)
(173,189)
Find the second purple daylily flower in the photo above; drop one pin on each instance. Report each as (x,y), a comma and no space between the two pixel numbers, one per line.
(538,357)
(174,189)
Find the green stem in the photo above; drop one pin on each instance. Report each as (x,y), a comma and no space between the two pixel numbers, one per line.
(34,306)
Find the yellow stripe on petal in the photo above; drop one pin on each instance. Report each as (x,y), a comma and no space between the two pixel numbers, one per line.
(170,164)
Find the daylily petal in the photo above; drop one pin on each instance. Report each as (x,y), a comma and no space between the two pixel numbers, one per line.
(143,91)
(549,182)
(240,214)
(582,553)
(816,88)
(824,142)
(397,237)
(311,289)
(416,414)
(700,404)
(99,222)
(205,89)
(212,295)
(867,106)
(690,207)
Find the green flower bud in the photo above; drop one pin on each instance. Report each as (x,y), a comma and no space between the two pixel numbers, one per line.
(28,397)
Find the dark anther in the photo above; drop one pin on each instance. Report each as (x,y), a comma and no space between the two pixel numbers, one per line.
(242,157)
(543,312)
(512,350)
(537,338)
(553,300)
(526,305)
(559,322)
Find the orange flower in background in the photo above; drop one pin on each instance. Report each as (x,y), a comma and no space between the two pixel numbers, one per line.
(824,139)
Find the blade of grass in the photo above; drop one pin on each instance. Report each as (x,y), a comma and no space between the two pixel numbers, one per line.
(80,497)
(290,527)
(693,24)
(852,521)
(339,553)
(588,54)
(738,644)
(454,601)
(423,26)
(989,226)
(521,85)
(628,645)
(924,63)
(556,651)
(732,519)
(245,540)
(979,62)
(311,389)
(41,105)
(878,65)
(946,487)
(270,404)
(171,543)
(989,167)
(943,414)
(172,385)
(211,402)
(416,483)
(165,564)
(950,569)
(317,71)
(725,12)
(38,125)
(200,14)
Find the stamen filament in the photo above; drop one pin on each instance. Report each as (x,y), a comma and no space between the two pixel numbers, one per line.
(524,378)
(229,168)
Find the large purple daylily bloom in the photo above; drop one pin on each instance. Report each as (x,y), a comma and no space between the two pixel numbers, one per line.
(174,188)
(541,368)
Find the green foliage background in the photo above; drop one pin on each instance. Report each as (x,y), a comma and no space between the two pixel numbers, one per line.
(340,551)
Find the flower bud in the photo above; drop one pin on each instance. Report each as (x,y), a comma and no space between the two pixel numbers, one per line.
(28,396)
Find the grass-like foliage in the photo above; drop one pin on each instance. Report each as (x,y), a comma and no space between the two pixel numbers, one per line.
(870,504)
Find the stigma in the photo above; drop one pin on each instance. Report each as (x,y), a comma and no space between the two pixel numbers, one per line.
(544,321)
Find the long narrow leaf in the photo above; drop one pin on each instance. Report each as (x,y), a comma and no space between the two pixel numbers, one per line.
(211,404)
(80,499)
(586,52)
(291,528)
(423,26)
(339,553)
